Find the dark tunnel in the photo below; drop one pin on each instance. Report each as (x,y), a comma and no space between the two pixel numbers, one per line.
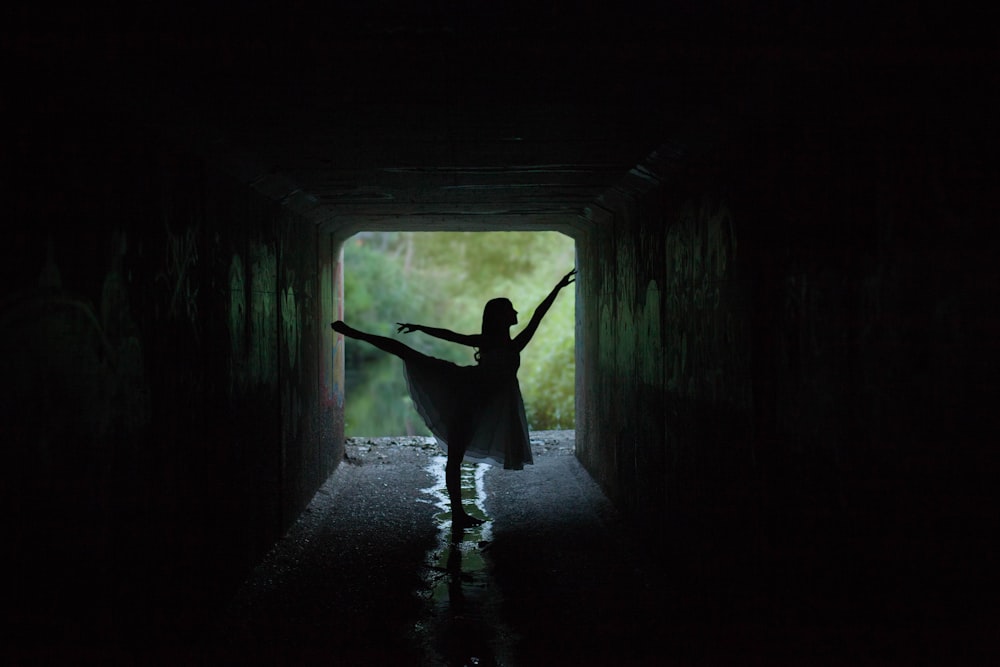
(786,307)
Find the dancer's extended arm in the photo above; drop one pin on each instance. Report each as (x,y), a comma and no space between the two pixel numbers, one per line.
(472,340)
(523,338)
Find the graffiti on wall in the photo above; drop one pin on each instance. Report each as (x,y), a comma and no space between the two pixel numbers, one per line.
(263,340)
(703,336)
(237,321)
(180,260)
(290,323)
(74,379)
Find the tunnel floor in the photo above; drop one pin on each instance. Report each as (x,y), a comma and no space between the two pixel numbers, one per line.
(372,574)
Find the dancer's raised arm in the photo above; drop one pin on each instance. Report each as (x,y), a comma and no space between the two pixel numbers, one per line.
(523,338)
(472,340)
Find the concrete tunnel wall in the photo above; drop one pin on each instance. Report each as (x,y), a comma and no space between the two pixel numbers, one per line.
(783,357)
(167,412)
(665,390)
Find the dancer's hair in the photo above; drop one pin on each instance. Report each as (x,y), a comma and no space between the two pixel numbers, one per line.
(496,322)
(495,317)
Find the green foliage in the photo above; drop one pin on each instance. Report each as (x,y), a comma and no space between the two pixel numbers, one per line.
(547,371)
(444,279)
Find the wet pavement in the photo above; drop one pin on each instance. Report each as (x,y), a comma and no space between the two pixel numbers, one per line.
(373,574)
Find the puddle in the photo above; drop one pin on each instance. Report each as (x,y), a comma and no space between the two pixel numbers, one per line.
(461,623)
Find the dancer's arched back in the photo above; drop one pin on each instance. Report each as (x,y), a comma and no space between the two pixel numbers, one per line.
(475,411)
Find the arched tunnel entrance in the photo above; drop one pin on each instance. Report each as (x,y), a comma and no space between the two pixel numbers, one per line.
(442,279)
(567,225)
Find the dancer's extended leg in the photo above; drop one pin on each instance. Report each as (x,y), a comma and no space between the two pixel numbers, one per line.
(389,345)
(456,444)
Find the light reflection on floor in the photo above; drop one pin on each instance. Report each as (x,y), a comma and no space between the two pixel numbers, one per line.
(461,626)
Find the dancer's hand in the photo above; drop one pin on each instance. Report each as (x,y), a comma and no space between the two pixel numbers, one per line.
(567,279)
(406,328)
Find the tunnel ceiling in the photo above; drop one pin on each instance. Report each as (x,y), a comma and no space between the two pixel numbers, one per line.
(446,166)
(434,118)
(447,115)
(438,154)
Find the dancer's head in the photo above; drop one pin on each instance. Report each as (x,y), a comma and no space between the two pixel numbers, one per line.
(498,316)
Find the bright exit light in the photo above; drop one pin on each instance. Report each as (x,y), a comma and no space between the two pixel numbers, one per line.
(443,279)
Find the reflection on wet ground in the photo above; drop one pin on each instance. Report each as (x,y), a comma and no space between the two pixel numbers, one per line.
(462,624)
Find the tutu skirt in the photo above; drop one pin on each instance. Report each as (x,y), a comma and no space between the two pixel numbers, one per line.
(481,405)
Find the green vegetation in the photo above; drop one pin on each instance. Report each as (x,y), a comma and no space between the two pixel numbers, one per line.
(443,279)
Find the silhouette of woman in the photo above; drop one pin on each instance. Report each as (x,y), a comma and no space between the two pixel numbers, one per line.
(475,412)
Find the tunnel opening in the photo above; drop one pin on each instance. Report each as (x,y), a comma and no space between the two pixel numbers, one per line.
(442,279)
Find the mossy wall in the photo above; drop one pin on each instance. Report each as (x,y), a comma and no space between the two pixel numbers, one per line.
(162,402)
(786,343)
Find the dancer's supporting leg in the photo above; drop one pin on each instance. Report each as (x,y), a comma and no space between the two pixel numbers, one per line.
(457,441)
(453,481)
